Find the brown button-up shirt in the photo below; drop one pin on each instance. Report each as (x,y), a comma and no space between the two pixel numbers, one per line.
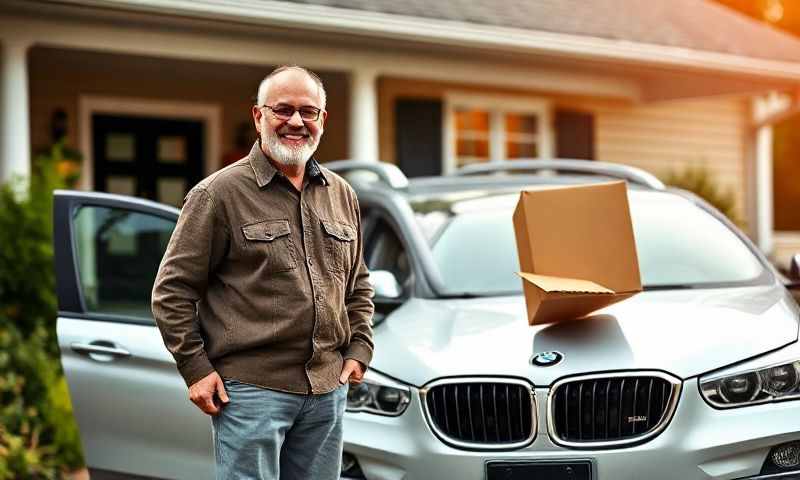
(265,284)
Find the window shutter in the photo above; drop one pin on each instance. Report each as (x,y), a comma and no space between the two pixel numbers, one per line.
(418,136)
(574,135)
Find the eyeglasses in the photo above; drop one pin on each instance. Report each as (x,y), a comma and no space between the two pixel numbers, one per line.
(283,111)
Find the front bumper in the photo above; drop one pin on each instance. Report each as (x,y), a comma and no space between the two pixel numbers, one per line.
(776,476)
(699,443)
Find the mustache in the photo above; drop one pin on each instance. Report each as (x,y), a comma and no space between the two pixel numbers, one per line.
(287,130)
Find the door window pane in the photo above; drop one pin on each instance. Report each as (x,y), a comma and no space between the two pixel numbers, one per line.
(120,147)
(119,252)
(121,185)
(171,191)
(172,149)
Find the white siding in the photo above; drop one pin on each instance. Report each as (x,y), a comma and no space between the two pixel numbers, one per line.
(672,135)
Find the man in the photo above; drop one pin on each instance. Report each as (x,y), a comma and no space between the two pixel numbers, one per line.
(263,296)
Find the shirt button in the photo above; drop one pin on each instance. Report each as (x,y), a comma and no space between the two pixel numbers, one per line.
(310,262)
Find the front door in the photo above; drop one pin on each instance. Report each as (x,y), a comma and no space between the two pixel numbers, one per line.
(155,158)
(130,403)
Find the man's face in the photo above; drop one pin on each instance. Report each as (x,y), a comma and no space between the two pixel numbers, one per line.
(290,142)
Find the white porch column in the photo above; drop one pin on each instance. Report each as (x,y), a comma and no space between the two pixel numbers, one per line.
(15,156)
(364,115)
(763,109)
(764,216)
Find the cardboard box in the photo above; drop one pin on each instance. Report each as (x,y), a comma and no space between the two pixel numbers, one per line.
(576,250)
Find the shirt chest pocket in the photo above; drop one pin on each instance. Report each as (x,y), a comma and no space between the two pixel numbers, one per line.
(339,239)
(269,242)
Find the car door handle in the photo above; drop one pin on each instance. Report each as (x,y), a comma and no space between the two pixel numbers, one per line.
(106,348)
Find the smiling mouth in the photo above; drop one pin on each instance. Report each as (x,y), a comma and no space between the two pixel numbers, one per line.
(294,138)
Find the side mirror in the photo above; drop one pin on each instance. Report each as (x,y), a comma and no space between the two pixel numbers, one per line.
(385,284)
(793,283)
(794,269)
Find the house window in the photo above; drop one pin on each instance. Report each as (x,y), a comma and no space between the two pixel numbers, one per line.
(522,140)
(472,136)
(495,129)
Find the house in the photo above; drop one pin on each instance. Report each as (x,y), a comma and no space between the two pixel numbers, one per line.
(156,93)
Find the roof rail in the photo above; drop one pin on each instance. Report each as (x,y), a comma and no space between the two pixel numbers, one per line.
(366,171)
(591,167)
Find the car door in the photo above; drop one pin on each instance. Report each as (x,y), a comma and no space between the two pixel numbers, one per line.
(130,403)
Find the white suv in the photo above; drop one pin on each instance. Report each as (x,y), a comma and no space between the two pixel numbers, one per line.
(695,378)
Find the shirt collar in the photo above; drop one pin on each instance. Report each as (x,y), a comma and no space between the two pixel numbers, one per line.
(314,171)
(265,171)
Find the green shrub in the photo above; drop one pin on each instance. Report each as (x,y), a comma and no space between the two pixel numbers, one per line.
(699,180)
(26,373)
(38,436)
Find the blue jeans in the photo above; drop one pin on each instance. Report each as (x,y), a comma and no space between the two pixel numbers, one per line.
(269,435)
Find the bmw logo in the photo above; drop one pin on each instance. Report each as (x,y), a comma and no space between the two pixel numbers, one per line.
(547,359)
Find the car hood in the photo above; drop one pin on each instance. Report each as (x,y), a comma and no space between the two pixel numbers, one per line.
(683,332)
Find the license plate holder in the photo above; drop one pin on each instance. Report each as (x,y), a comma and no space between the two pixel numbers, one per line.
(544,470)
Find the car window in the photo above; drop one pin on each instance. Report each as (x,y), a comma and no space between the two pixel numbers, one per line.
(679,245)
(385,251)
(118,252)
(476,254)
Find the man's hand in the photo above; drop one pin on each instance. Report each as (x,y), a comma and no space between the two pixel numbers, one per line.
(353,371)
(201,393)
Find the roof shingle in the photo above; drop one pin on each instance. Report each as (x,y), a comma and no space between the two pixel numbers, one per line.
(693,24)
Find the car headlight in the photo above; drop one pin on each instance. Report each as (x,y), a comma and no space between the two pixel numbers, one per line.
(378,394)
(752,386)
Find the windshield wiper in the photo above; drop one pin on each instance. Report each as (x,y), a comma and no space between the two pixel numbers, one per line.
(460,295)
(479,295)
(674,286)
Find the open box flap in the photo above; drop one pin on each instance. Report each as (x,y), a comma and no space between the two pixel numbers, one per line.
(553,284)
(544,307)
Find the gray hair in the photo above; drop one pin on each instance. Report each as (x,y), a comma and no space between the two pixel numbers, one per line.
(261,96)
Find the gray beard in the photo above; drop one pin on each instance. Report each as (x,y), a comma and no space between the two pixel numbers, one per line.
(288,156)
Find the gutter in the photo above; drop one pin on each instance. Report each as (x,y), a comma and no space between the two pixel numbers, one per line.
(452,33)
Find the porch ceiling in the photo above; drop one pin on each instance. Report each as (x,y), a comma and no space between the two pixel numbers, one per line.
(689,46)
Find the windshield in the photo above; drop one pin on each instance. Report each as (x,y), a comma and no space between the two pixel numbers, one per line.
(679,245)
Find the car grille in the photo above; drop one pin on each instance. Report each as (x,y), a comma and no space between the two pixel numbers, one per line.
(613,410)
(481,413)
